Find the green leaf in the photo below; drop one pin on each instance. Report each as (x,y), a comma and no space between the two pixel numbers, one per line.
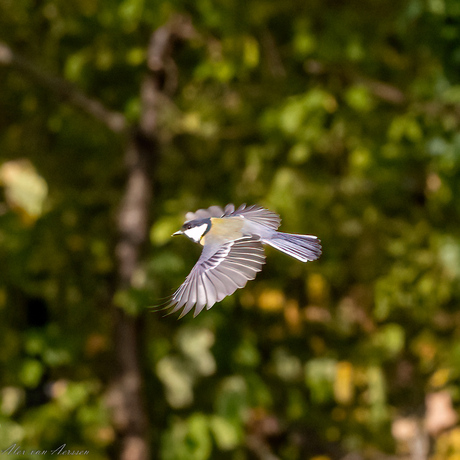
(31,372)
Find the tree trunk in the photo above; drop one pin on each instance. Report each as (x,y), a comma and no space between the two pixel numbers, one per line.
(125,394)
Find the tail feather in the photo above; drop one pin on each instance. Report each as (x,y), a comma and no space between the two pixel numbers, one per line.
(302,247)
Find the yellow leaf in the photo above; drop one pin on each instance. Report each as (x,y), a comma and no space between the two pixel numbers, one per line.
(343,385)
(440,378)
(271,299)
(317,288)
(25,189)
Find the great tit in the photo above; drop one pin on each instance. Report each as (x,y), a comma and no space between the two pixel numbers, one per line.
(233,252)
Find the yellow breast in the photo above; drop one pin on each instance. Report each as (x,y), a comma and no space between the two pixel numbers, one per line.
(223,230)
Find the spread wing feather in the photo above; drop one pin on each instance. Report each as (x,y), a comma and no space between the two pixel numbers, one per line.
(218,275)
(255,214)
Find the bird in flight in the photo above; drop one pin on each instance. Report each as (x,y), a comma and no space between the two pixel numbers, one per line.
(233,252)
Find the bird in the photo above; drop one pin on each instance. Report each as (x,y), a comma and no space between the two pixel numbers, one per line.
(233,252)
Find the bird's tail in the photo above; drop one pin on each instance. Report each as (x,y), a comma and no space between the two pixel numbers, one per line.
(302,247)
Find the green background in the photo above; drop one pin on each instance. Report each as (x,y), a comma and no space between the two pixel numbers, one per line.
(343,117)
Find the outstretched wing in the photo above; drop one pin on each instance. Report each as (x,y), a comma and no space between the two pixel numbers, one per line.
(253,213)
(219,274)
(256,214)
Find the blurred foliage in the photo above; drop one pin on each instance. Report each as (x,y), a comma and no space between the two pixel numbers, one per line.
(341,116)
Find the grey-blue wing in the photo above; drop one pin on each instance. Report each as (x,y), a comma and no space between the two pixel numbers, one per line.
(218,274)
(256,214)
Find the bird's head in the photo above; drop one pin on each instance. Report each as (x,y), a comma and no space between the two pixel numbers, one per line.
(194,229)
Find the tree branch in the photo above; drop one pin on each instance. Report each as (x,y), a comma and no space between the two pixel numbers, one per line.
(125,395)
(115,121)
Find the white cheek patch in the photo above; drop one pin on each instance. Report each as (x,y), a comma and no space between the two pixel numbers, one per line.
(196,233)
